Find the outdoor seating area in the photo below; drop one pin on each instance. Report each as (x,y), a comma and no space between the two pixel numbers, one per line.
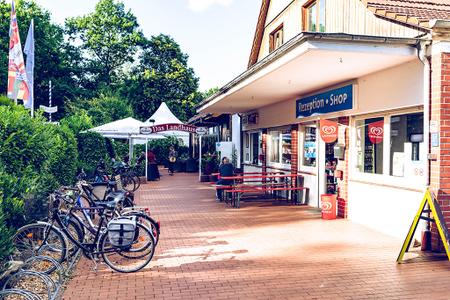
(262,186)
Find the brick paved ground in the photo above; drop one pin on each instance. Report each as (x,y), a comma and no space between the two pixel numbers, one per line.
(261,251)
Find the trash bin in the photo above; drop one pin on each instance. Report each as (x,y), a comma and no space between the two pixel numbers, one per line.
(328,203)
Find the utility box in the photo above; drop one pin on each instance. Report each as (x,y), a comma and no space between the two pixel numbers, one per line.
(225,149)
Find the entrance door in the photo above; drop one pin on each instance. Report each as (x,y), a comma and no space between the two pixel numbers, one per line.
(327,168)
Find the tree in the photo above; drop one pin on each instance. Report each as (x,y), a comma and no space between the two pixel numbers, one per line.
(55,59)
(101,110)
(109,37)
(163,75)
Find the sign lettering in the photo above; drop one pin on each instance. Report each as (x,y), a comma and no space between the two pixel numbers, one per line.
(167,127)
(327,102)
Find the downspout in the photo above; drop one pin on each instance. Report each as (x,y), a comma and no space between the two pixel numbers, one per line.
(422,47)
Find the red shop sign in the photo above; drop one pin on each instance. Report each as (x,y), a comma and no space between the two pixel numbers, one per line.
(328,131)
(376,130)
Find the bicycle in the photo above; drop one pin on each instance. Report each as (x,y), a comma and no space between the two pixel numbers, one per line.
(125,259)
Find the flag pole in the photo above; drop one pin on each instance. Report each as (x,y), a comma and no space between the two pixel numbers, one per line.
(32,75)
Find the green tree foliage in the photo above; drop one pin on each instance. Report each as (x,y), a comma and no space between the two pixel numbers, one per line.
(35,158)
(91,148)
(55,59)
(163,75)
(101,110)
(110,37)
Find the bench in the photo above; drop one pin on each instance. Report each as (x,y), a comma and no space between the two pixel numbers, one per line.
(237,192)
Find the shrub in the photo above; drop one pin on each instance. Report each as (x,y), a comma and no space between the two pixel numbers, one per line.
(5,241)
(91,148)
(161,147)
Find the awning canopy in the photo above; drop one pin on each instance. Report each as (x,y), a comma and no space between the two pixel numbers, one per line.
(307,63)
(163,115)
(127,128)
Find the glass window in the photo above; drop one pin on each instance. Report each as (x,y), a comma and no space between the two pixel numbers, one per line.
(276,38)
(369,145)
(280,146)
(255,147)
(310,146)
(274,146)
(286,147)
(406,142)
(315,16)
(312,17)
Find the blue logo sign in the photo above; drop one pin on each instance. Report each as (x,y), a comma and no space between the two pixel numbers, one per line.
(327,102)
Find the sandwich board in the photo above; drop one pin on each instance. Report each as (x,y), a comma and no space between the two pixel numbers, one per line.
(430,205)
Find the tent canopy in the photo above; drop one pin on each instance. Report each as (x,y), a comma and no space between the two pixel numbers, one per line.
(124,129)
(163,115)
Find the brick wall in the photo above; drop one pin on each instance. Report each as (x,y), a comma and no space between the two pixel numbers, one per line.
(264,151)
(440,112)
(343,166)
(294,149)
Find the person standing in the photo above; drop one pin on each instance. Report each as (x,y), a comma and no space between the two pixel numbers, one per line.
(152,167)
(172,159)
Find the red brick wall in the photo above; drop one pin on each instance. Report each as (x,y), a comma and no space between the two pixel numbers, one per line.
(343,165)
(440,112)
(264,151)
(294,149)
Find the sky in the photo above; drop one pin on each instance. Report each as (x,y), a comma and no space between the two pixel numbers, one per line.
(216,34)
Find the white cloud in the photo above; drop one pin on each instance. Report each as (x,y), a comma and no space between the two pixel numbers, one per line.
(202,5)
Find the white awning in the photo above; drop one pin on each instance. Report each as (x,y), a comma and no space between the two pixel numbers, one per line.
(308,63)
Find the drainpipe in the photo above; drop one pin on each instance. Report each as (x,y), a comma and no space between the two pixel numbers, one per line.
(422,47)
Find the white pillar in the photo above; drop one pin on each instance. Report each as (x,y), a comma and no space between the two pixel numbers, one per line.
(199,157)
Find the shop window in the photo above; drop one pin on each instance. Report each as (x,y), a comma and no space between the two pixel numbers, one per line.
(310,146)
(280,146)
(276,38)
(314,16)
(274,146)
(255,147)
(369,145)
(407,147)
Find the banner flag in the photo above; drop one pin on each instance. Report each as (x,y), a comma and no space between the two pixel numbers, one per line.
(17,76)
(328,131)
(29,51)
(376,131)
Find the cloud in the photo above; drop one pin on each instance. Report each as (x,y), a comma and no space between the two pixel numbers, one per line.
(202,5)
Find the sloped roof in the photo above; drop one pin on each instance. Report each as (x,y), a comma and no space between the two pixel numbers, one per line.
(411,12)
(415,13)
(163,115)
(120,127)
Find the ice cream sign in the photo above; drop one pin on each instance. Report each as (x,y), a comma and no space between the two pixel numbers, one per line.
(327,102)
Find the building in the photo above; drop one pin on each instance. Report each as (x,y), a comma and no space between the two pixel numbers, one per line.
(375,73)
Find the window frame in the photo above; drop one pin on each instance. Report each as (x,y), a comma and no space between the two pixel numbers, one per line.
(301,147)
(385,177)
(248,140)
(272,39)
(278,164)
(305,15)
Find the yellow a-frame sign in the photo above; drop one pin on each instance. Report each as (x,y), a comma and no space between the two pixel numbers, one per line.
(437,217)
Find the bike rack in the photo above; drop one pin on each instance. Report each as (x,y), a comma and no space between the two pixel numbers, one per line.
(52,286)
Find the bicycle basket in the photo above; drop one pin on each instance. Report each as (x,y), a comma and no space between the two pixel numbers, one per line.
(121,231)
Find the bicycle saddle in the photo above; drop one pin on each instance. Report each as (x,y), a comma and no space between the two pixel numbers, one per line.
(109,204)
(115,196)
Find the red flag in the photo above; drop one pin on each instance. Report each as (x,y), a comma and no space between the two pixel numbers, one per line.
(376,131)
(17,76)
(328,131)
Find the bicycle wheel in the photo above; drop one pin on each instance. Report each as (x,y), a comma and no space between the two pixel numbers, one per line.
(39,239)
(76,230)
(128,183)
(129,259)
(136,179)
(147,221)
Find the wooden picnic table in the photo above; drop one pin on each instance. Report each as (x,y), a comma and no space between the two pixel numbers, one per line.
(264,183)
